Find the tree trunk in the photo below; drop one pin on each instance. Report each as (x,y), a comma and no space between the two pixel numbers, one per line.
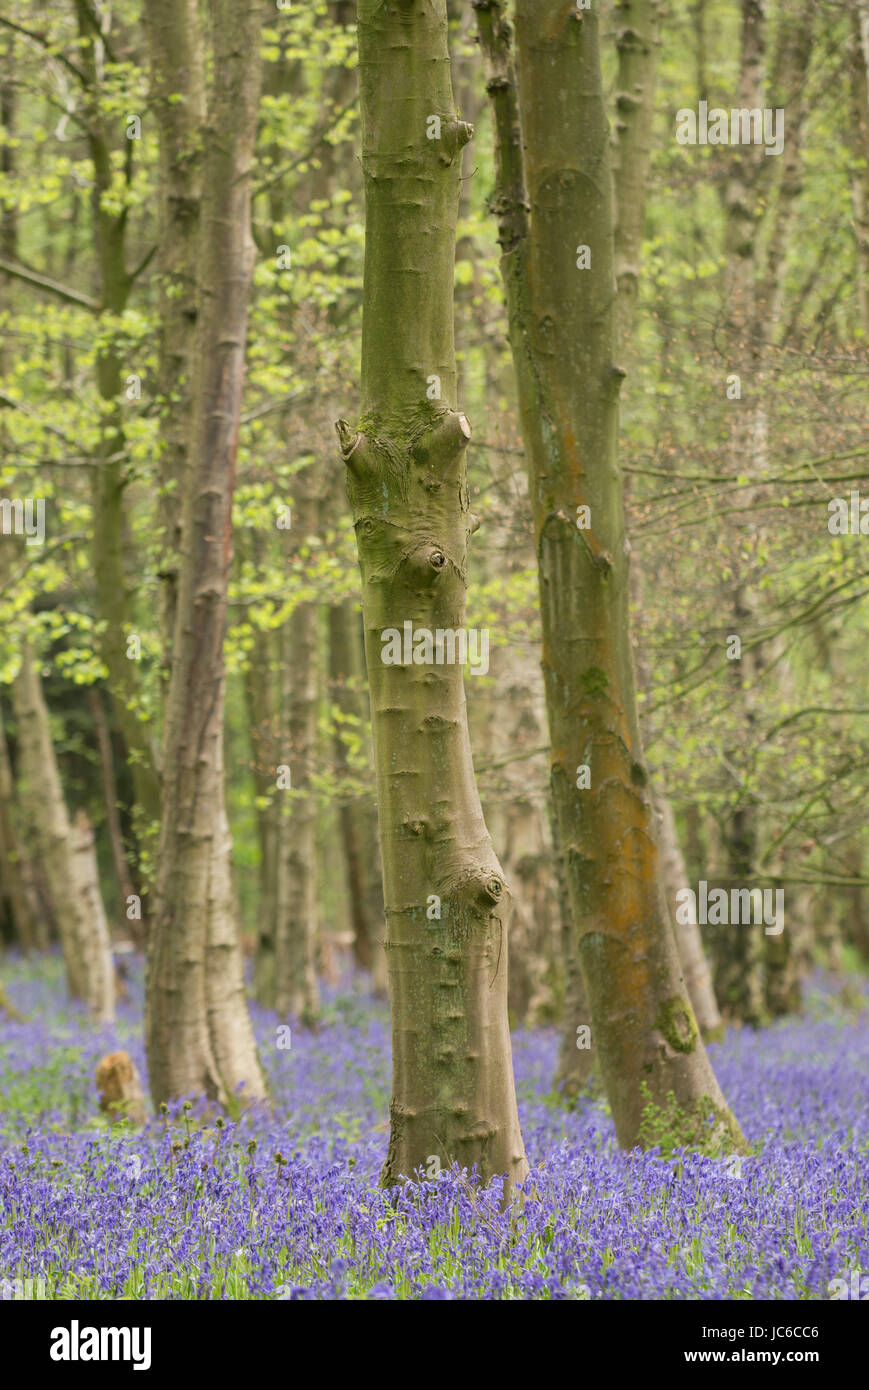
(111,585)
(576,1060)
(862,10)
(198,1032)
(95,941)
(698,976)
(296,991)
(859,112)
(855,919)
(262,720)
(562,332)
(177,69)
(113,820)
(447,903)
(754,293)
(357,817)
(8,114)
(636,45)
(516,810)
(784,952)
(17,884)
(68,857)
(738,948)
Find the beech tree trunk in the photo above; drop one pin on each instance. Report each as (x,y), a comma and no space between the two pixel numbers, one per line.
(296,991)
(554,143)
(67,854)
(95,941)
(695,966)
(113,591)
(447,903)
(17,884)
(755,288)
(177,67)
(357,818)
(576,1071)
(738,951)
(862,9)
(515,801)
(785,953)
(263,721)
(859,113)
(198,1032)
(636,44)
(113,820)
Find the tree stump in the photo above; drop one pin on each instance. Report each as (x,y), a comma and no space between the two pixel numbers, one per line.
(120,1088)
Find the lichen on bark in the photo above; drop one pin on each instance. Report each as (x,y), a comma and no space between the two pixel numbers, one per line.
(554,198)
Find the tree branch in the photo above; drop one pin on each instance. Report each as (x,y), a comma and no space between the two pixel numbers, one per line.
(47,45)
(42,282)
(308,154)
(143,265)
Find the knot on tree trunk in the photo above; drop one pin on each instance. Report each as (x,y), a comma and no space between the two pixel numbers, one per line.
(348,437)
(454,136)
(426,563)
(480,891)
(441,448)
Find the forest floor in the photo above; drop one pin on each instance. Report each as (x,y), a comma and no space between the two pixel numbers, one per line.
(286,1204)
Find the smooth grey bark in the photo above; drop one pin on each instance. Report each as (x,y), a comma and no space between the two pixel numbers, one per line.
(447,902)
(198,1032)
(67,853)
(636,44)
(357,818)
(296,990)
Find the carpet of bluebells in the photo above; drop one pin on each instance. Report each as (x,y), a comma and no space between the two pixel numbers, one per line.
(285,1204)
